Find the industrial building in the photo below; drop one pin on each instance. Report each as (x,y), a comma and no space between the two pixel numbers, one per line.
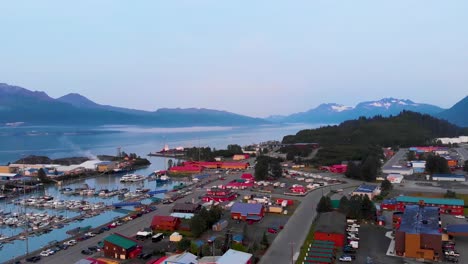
(369,190)
(420,234)
(163,222)
(446,206)
(395,178)
(448,177)
(331,226)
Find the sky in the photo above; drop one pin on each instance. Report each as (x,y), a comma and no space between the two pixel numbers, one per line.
(257,58)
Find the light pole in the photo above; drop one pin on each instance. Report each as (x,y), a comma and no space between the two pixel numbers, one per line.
(292,251)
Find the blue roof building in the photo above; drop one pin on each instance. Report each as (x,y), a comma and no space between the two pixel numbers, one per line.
(247,211)
(421,220)
(366,189)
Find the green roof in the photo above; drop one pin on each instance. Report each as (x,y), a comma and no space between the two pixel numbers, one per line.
(324,242)
(322,246)
(316,254)
(320,260)
(335,204)
(324,250)
(120,241)
(438,201)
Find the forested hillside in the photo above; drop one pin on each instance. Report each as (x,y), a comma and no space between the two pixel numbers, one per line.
(404,130)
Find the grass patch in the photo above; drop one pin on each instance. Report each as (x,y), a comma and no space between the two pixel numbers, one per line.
(464,197)
(309,240)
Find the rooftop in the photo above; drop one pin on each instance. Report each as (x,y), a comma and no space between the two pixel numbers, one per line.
(246,208)
(234,257)
(366,188)
(183,207)
(332,222)
(120,241)
(463,228)
(420,220)
(448,175)
(437,201)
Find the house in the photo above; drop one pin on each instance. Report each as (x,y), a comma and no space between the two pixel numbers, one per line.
(235,257)
(163,222)
(186,208)
(395,178)
(247,211)
(184,258)
(369,190)
(120,247)
(331,226)
(419,235)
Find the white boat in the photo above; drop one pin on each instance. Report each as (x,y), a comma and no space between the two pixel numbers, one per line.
(132,178)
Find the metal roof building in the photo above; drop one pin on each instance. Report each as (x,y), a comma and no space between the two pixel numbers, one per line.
(234,257)
(426,200)
(420,220)
(448,177)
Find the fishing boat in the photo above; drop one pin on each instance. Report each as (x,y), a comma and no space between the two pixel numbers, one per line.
(132,178)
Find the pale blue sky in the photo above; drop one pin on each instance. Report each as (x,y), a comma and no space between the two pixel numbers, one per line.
(250,57)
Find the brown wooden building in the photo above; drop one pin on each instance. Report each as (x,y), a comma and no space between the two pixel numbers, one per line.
(165,223)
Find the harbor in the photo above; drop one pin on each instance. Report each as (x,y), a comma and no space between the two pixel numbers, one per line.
(53,212)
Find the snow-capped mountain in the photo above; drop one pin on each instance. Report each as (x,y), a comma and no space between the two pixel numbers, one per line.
(335,113)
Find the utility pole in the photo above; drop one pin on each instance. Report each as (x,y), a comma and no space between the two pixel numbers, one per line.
(292,251)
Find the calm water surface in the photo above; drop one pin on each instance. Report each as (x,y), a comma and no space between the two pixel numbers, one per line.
(57,142)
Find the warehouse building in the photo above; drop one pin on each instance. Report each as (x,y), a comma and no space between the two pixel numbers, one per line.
(448,177)
(331,226)
(446,206)
(420,234)
(369,190)
(247,211)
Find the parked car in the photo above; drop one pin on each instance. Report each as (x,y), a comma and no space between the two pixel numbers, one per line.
(145,255)
(346,258)
(460,216)
(451,259)
(94,249)
(70,242)
(452,253)
(272,230)
(33,259)
(86,252)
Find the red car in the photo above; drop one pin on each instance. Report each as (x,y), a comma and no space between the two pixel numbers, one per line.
(272,230)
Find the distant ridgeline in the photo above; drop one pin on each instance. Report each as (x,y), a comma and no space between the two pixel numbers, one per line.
(354,139)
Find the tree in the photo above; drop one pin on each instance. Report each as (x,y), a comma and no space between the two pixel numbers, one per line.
(355,207)
(234,149)
(353,171)
(437,164)
(261,170)
(42,176)
(275,169)
(411,156)
(370,168)
(367,208)
(184,244)
(386,186)
(344,205)
(465,166)
(198,225)
(194,249)
(324,205)
(170,162)
(264,241)
(290,156)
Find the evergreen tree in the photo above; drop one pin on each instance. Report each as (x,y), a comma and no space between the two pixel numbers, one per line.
(370,168)
(264,241)
(386,186)
(367,208)
(344,205)
(184,244)
(324,205)
(353,171)
(355,211)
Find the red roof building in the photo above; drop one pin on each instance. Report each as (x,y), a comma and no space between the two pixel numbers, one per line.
(247,176)
(186,169)
(296,188)
(219,195)
(163,222)
(240,184)
(338,168)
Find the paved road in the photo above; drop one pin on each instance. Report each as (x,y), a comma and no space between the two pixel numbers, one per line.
(395,159)
(463,152)
(288,242)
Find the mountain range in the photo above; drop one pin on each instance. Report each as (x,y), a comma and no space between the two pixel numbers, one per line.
(18,104)
(337,113)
